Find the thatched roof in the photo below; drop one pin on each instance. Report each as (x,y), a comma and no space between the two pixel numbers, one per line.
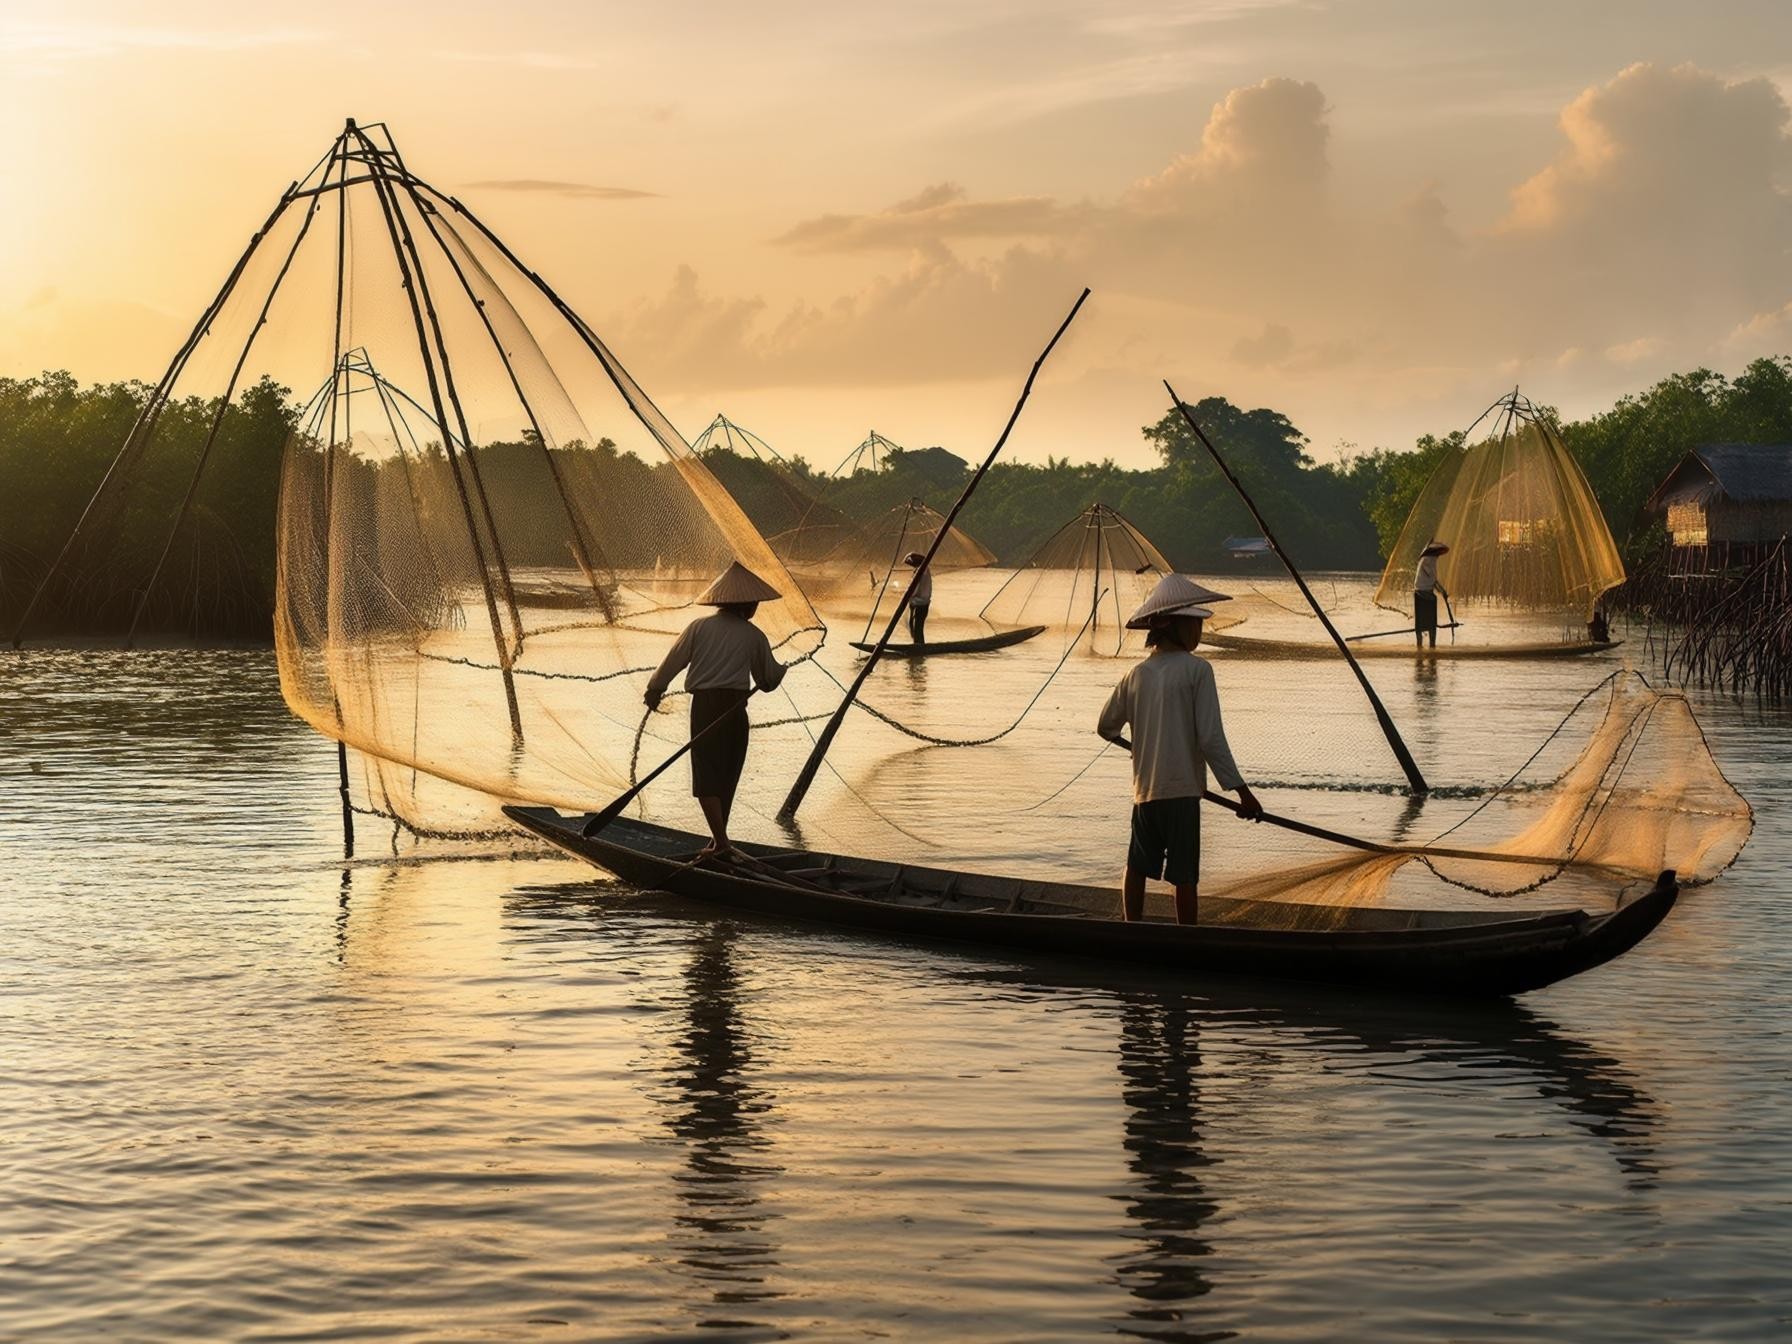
(1741,472)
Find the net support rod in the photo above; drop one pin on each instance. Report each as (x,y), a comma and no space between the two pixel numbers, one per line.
(1414,778)
(336,376)
(581,543)
(211,433)
(806,776)
(485,576)
(420,277)
(153,406)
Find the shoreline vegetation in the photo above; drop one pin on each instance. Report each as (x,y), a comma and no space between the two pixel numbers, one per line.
(57,439)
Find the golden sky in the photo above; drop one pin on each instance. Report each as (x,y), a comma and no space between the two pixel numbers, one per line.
(824,218)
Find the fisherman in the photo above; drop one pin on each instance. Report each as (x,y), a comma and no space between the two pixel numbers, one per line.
(1170,701)
(920,596)
(727,656)
(1425,589)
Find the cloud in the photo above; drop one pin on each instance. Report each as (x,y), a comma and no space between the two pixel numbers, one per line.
(937,214)
(1653,237)
(1268,139)
(574,190)
(940,319)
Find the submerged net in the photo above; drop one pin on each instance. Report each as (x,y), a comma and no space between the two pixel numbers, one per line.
(1088,577)
(1521,522)
(1624,788)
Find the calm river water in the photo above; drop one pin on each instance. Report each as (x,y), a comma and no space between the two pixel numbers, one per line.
(251,1093)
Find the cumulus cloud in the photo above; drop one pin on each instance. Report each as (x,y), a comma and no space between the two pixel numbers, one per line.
(585,191)
(1657,234)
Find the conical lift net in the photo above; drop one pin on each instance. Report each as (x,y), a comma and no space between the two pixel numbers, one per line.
(1084,582)
(1521,522)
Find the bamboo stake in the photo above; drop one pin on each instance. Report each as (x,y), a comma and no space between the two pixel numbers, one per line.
(1413,777)
(806,776)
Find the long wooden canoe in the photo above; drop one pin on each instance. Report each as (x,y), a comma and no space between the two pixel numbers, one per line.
(1396,648)
(1440,951)
(982,644)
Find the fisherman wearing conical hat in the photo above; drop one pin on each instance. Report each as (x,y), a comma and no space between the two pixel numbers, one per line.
(920,596)
(727,656)
(1425,589)
(1170,701)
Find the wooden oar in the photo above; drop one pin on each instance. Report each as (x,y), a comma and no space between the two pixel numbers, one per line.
(599,820)
(1383,634)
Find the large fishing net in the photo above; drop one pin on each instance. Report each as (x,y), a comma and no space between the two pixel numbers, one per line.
(1088,577)
(483,519)
(1521,522)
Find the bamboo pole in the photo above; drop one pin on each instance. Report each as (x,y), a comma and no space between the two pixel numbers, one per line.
(387,207)
(1414,778)
(806,776)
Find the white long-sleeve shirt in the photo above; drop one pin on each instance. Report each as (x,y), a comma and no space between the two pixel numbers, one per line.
(1424,578)
(724,652)
(920,588)
(1171,703)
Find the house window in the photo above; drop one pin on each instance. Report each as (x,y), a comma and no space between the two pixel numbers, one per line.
(1686,523)
(1524,531)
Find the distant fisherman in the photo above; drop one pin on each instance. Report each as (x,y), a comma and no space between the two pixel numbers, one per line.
(727,655)
(1425,589)
(920,595)
(1173,707)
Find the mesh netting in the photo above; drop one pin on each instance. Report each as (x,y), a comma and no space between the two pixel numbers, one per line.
(1521,522)
(1088,577)
(1623,789)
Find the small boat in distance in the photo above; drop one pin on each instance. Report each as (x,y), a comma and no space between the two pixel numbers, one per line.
(1461,952)
(1400,648)
(1000,639)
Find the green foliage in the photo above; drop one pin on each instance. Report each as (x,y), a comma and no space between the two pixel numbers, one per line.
(57,440)
(1627,450)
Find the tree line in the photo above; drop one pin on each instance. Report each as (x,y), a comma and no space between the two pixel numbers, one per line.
(58,439)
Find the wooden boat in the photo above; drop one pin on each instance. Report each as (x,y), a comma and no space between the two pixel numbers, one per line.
(1397,648)
(1440,951)
(1001,639)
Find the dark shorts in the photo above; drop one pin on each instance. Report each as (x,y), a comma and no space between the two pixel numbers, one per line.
(1166,840)
(1424,610)
(717,760)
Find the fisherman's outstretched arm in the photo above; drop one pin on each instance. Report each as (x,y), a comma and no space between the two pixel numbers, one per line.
(767,670)
(1211,733)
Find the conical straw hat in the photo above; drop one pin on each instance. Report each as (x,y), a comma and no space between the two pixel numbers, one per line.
(737,584)
(1175,595)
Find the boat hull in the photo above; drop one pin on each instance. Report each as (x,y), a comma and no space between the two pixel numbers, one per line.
(1396,648)
(1456,953)
(983,644)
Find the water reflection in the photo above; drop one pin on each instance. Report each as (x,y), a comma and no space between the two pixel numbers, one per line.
(717,1111)
(1160,1085)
